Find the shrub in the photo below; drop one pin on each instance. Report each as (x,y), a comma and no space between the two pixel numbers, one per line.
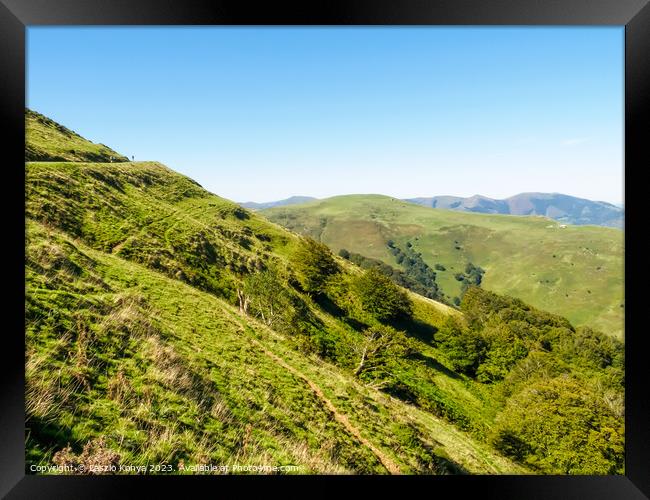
(314,263)
(559,427)
(463,348)
(380,297)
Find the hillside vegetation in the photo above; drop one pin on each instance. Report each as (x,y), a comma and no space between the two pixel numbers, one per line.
(47,140)
(166,325)
(574,271)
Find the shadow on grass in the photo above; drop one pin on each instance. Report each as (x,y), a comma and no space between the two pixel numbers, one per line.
(329,306)
(435,364)
(447,466)
(49,436)
(334,310)
(416,328)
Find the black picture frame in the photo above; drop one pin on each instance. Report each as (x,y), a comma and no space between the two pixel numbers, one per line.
(16,15)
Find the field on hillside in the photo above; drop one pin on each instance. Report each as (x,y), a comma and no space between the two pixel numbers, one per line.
(574,271)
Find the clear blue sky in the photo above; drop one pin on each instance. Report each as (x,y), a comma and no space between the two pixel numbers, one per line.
(265,113)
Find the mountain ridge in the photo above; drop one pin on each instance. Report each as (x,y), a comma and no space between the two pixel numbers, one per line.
(292,200)
(557,206)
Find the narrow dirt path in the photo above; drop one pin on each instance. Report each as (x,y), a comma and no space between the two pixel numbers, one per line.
(387,462)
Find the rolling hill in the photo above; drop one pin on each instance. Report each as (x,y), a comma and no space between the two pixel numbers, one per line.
(166,325)
(561,207)
(574,271)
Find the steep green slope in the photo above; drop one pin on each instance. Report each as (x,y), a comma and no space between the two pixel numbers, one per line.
(47,140)
(170,373)
(573,271)
(132,275)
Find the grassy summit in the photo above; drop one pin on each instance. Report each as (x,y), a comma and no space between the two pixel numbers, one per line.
(167,325)
(49,141)
(574,271)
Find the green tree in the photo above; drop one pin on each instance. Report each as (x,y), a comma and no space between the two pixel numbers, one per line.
(314,263)
(503,349)
(380,297)
(462,346)
(592,349)
(379,350)
(268,299)
(559,427)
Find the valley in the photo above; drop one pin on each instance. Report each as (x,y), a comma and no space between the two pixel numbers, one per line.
(574,271)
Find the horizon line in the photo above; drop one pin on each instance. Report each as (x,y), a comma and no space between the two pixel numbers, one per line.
(619,204)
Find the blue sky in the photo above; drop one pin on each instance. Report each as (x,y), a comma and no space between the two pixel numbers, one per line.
(265,113)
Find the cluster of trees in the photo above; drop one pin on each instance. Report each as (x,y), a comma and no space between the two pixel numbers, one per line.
(561,387)
(473,275)
(498,331)
(416,269)
(396,276)
(369,301)
(561,425)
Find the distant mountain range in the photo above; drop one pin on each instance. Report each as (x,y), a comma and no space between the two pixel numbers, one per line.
(294,200)
(560,207)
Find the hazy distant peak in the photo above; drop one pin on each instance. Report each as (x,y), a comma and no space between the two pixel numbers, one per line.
(561,207)
(293,200)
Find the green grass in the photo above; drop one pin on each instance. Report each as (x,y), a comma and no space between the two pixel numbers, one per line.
(46,140)
(575,271)
(168,372)
(132,334)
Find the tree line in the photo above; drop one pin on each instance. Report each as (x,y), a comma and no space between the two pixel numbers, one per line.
(561,387)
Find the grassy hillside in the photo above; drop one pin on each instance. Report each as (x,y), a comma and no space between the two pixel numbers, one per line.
(131,324)
(167,325)
(47,140)
(573,271)
(169,373)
